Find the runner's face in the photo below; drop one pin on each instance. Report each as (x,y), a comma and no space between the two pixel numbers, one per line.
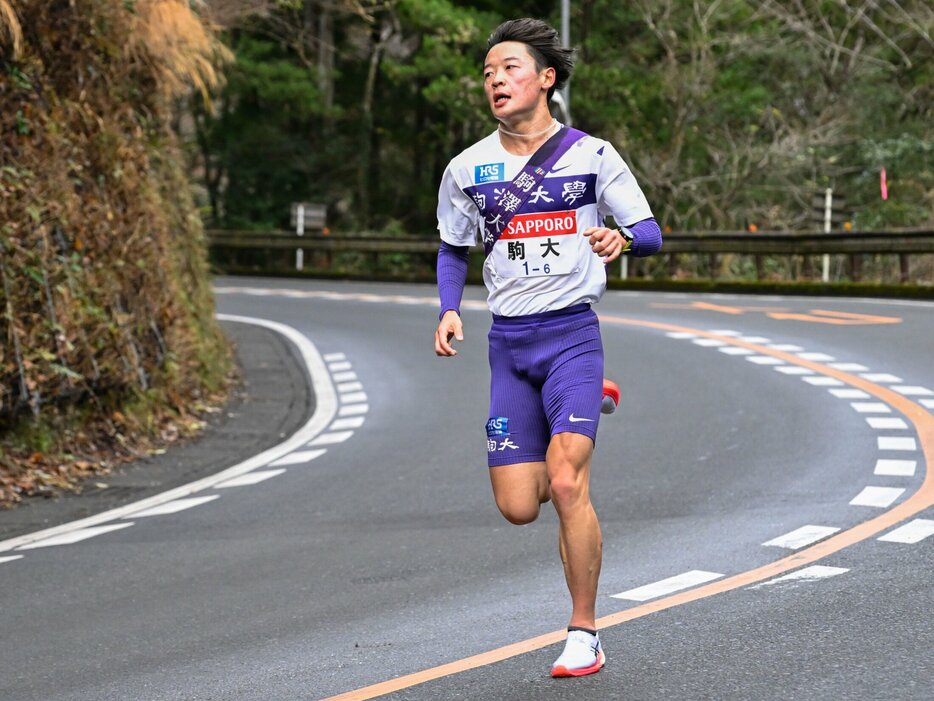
(513,86)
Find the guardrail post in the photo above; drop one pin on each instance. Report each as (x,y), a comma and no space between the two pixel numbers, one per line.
(856,266)
(903,267)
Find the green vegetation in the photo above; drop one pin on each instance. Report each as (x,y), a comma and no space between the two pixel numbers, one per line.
(107,340)
(731,112)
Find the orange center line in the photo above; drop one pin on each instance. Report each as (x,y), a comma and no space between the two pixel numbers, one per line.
(921,499)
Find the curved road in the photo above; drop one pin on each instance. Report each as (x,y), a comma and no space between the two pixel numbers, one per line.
(764,492)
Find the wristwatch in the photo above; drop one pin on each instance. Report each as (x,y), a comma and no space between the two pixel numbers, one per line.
(627,238)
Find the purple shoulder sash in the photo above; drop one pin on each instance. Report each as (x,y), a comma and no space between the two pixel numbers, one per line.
(520,189)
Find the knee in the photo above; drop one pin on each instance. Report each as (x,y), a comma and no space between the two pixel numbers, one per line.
(568,491)
(517,512)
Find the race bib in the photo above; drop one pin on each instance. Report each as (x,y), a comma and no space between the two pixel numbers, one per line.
(536,245)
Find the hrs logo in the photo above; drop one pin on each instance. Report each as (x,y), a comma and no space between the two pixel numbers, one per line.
(489,173)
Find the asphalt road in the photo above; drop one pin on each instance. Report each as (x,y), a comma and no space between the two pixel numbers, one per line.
(376,551)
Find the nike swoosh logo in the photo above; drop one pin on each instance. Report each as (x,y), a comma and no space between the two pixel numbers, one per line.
(575,419)
(555,170)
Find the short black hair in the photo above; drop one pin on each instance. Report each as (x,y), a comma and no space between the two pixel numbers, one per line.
(544,46)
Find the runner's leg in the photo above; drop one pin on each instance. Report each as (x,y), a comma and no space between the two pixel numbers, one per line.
(519,490)
(579,538)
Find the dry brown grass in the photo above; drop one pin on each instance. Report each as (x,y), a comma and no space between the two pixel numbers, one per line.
(106,315)
(177,46)
(10,30)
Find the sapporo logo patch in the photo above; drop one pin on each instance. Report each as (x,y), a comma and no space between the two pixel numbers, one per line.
(489,173)
(544,224)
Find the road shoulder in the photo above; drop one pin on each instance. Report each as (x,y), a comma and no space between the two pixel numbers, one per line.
(274,400)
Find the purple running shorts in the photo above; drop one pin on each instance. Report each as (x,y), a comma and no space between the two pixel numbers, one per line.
(546,378)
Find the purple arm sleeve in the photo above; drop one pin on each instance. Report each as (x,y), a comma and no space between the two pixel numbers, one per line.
(452,276)
(646,238)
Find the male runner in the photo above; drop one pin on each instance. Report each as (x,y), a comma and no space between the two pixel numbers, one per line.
(547,247)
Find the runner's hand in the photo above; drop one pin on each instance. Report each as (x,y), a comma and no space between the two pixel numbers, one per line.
(450,327)
(606,243)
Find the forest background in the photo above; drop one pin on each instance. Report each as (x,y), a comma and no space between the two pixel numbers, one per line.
(731,112)
(128,126)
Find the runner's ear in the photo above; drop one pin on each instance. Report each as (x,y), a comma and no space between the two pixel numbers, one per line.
(549,76)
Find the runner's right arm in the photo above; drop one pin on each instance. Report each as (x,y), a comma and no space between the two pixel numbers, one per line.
(452,276)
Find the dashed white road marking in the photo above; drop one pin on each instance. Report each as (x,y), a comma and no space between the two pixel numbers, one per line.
(850,393)
(345,387)
(754,339)
(896,443)
(849,367)
(896,468)
(822,381)
(298,457)
(729,333)
(913,391)
(10,558)
(331,357)
(353,397)
(912,532)
(735,350)
(765,360)
(708,342)
(338,366)
(172,507)
(885,422)
(250,478)
(331,438)
(807,574)
(929,403)
(351,422)
(326,406)
(878,497)
(786,347)
(669,585)
(74,536)
(794,370)
(681,335)
(871,407)
(880,377)
(353,409)
(345,376)
(800,537)
(816,357)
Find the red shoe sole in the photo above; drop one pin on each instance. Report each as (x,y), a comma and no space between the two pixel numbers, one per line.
(563,671)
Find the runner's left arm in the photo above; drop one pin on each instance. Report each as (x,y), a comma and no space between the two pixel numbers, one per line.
(619,194)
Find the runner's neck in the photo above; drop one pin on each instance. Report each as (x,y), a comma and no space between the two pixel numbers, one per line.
(525,140)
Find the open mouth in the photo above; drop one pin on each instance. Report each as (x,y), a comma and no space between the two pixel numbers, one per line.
(500,99)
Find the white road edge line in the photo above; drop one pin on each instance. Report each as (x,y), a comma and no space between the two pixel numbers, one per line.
(896,468)
(800,537)
(250,478)
(808,574)
(910,533)
(878,497)
(668,586)
(173,507)
(75,535)
(325,409)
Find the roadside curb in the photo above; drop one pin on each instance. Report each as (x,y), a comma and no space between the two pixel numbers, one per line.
(275,401)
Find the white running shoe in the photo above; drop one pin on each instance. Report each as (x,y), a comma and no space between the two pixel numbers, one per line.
(582,655)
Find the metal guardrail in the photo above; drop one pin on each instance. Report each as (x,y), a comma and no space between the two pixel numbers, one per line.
(709,244)
(759,243)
